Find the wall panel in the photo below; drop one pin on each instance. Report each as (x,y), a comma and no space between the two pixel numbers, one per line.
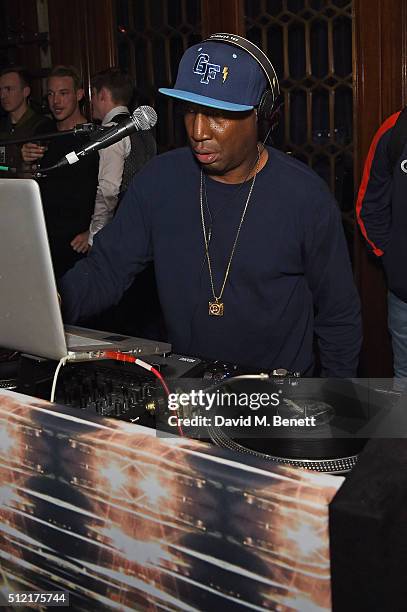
(82,33)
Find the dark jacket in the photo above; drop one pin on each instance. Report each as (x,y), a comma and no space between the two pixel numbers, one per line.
(381,208)
(30,124)
(68,198)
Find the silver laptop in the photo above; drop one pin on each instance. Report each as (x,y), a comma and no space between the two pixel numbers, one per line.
(30,316)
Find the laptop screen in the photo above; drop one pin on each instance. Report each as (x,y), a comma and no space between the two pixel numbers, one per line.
(30,317)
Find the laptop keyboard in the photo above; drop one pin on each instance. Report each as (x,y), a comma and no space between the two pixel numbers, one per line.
(74,340)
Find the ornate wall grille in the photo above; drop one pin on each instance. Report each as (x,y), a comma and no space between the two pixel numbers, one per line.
(310,45)
(152,36)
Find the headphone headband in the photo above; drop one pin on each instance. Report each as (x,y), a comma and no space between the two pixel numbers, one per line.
(255,52)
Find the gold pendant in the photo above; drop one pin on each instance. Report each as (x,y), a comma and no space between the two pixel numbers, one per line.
(216,309)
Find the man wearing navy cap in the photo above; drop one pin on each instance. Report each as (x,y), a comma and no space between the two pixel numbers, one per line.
(248,247)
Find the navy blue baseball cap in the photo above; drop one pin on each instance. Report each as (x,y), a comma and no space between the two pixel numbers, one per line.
(220,76)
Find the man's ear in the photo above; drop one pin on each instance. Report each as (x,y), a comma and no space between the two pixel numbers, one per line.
(26,91)
(105,94)
(80,93)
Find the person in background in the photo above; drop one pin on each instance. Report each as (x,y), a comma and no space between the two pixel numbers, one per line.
(112,90)
(382,217)
(248,246)
(21,120)
(68,193)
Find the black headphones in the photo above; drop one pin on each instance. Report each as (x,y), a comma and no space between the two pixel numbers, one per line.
(265,109)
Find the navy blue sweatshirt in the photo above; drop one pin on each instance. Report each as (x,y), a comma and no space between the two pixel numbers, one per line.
(290,276)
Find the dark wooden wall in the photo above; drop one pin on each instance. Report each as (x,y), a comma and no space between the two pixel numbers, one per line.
(82,33)
(19,33)
(222,16)
(20,38)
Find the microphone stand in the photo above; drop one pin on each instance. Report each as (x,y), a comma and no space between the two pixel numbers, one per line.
(143,118)
(81,128)
(93,129)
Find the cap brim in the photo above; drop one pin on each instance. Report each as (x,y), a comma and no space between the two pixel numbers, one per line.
(187,96)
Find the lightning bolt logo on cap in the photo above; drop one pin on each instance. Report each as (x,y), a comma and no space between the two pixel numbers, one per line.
(225,73)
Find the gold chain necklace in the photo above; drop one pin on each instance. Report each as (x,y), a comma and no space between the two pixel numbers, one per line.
(216,308)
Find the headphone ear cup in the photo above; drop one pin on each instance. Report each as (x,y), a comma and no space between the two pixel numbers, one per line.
(266,104)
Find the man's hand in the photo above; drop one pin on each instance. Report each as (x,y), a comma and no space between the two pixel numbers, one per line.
(30,152)
(80,242)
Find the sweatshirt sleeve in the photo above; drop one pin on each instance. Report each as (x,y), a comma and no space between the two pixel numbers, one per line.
(373,205)
(121,250)
(336,302)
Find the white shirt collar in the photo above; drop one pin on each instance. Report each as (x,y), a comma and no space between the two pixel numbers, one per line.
(117,110)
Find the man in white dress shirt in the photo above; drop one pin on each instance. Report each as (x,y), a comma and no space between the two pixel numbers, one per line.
(112,91)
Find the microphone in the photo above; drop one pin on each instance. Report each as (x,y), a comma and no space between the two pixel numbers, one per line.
(143,118)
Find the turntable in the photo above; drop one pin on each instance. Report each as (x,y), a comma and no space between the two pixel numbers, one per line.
(313,426)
